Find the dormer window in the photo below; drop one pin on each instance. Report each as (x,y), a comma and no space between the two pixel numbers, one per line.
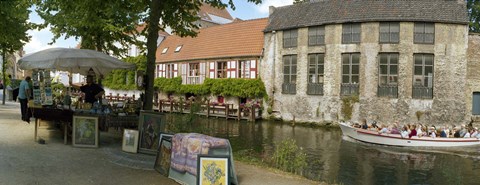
(164,50)
(178,48)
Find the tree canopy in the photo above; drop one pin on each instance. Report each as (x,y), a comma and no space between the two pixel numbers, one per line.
(473,7)
(106,26)
(13,30)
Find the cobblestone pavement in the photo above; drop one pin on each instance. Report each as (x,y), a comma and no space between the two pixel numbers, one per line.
(23,161)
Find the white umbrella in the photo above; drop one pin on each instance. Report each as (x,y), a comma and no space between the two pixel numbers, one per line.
(72,60)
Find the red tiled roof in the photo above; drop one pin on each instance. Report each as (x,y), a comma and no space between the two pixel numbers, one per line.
(238,39)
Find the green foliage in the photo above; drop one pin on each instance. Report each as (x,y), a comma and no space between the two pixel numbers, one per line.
(245,88)
(98,24)
(347,105)
(124,79)
(473,9)
(289,157)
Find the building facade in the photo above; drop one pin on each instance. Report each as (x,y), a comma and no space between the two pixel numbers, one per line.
(231,50)
(405,61)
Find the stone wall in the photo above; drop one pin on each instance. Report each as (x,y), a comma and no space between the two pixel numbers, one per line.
(473,74)
(448,106)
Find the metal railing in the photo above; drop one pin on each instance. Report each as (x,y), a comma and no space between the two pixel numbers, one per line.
(421,92)
(349,89)
(289,88)
(315,88)
(387,91)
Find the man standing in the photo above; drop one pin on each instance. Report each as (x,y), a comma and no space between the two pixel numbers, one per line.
(93,92)
(23,97)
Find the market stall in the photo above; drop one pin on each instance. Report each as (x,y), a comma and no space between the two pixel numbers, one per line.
(63,109)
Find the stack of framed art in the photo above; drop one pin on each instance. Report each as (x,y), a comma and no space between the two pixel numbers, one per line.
(151,125)
(162,162)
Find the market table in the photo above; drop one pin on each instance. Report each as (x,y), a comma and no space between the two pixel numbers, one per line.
(64,116)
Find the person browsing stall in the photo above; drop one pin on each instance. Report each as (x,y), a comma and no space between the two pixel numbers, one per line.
(93,92)
(23,97)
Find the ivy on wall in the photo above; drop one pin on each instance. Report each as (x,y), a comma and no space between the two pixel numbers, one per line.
(245,88)
(125,79)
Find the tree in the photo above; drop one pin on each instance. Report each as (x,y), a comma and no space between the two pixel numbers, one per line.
(300,1)
(179,15)
(473,9)
(13,30)
(99,24)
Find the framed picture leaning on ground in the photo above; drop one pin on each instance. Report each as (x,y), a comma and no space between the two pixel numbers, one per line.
(85,131)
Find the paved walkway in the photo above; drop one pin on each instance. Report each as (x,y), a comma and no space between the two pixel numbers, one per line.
(22,161)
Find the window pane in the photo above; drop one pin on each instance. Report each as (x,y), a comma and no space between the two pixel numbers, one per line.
(384,37)
(418,38)
(428,70)
(286,78)
(394,27)
(320,79)
(355,79)
(311,70)
(394,37)
(312,78)
(419,28)
(429,38)
(383,80)
(345,59)
(347,38)
(345,79)
(428,59)
(393,79)
(347,29)
(418,70)
(393,58)
(320,58)
(311,59)
(355,58)
(355,37)
(429,28)
(294,70)
(286,70)
(346,69)
(312,31)
(383,58)
(418,59)
(355,69)
(320,69)
(294,59)
(384,27)
(293,79)
(393,69)
(383,69)
(356,28)
(293,33)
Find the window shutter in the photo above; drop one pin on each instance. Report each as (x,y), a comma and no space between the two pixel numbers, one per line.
(231,69)
(253,69)
(175,70)
(202,71)
(211,70)
(184,73)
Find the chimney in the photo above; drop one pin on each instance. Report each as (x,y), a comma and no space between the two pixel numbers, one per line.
(271,9)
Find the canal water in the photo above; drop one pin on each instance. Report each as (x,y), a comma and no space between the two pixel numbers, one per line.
(334,159)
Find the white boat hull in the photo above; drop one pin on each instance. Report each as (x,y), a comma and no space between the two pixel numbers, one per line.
(397,140)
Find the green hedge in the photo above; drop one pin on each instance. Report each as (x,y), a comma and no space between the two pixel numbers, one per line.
(245,88)
(125,79)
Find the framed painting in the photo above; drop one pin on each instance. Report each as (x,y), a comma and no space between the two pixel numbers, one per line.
(130,140)
(150,126)
(213,169)
(85,131)
(162,162)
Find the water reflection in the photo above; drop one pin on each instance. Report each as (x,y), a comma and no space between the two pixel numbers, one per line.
(336,160)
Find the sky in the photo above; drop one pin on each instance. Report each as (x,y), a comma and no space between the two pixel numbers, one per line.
(244,10)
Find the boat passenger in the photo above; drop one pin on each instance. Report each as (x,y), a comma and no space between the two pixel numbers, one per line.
(395,129)
(364,124)
(420,130)
(463,131)
(467,134)
(374,126)
(443,133)
(384,130)
(413,131)
(433,133)
(404,132)
(474,132)
(456,132)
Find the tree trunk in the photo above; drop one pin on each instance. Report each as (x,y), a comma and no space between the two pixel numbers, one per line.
(152,38)
(4,61)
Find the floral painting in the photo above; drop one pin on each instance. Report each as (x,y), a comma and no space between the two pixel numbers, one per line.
(212,170)
(85,131)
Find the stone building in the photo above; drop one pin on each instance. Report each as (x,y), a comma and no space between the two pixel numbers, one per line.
(405,61)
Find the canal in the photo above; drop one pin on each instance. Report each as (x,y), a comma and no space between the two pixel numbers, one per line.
(334,159)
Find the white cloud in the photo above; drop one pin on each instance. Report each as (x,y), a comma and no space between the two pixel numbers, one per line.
(263,8)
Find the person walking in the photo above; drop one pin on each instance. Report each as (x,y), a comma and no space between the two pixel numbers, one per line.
(23,97)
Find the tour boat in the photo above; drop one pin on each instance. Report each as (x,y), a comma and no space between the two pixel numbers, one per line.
(375,137)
